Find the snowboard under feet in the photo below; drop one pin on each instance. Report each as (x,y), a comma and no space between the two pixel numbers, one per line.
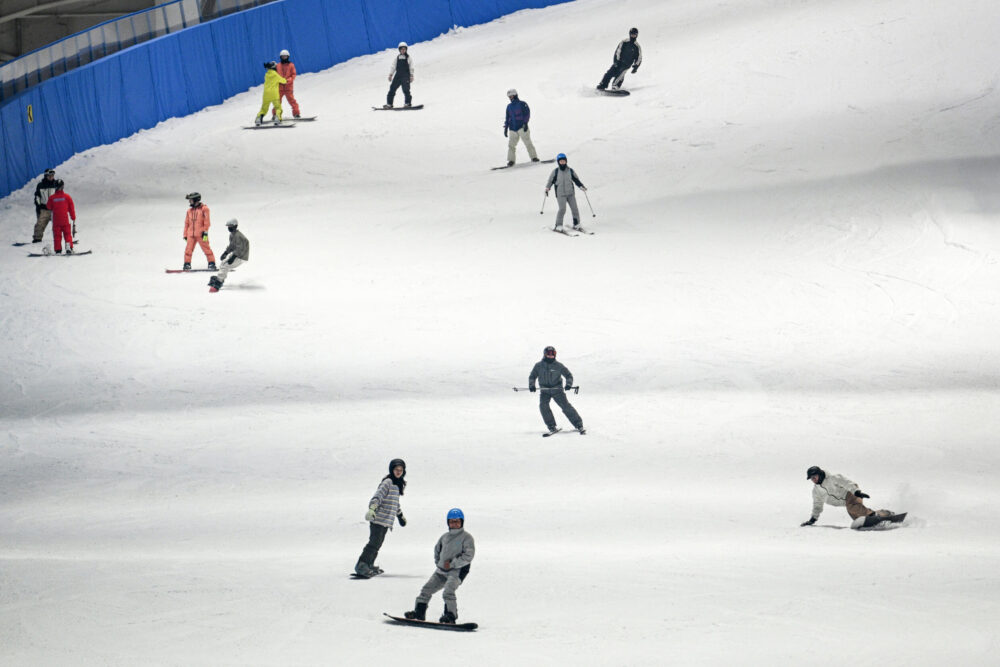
(415,107)
(874,520)
(269,126)
(613,93)
(191,270)
(522,164)
(61,254)
(459,627)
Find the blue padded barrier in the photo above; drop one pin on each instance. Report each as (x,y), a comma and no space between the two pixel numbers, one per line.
(186,71)
(346,30)
(471,12)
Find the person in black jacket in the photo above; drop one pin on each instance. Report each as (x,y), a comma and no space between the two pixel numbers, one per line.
(549,373)
(45,189)
(628,54)
(401,74)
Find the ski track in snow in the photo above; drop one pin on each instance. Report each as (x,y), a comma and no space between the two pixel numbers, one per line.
(794,264)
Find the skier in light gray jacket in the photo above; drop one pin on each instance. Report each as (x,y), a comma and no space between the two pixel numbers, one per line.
(549,373)
(453,554)
(383,510)
(839,491)
(563,178)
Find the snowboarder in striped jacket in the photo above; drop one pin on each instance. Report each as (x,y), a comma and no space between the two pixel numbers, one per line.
(383,511)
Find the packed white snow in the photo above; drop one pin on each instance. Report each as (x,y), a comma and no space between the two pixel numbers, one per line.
(795,264)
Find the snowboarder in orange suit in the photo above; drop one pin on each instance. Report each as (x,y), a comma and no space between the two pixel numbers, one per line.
(196,225)
(61,205)
(286,69)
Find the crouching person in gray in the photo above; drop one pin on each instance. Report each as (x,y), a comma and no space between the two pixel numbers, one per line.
(236,253)
(549,374)
(563,179)
(453,554)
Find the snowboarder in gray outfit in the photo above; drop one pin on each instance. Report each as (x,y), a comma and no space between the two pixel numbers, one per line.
(549,373)
(453,555)
(383,510)
(236,253)
(563,178)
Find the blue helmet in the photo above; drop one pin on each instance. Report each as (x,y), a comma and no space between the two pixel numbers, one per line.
(456,513)
(561,156)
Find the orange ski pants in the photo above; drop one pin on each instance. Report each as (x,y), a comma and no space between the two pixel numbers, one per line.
(205,248)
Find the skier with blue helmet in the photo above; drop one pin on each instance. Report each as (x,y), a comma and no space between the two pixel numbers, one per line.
(453,554)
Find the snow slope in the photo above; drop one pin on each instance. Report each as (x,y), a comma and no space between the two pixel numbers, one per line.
(795,264)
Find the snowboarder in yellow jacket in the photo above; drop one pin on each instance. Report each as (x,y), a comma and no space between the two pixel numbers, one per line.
(272,98)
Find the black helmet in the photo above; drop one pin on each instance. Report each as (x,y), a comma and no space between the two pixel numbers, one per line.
(397,462)
(59,184)
(194,198)
(50,172)
(270,64)
(815,470)
(549,352)
(634,31)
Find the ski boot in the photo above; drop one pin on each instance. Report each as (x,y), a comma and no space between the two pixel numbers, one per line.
(277,121)
(581,430)
(69,251)
(187,266)
(418,614)
(602,86)
(386,106)
(295,115)
(258,121)
(211,266)
(535,159)
(59,252)
(214,284)
(36,240)
(447,617)
(362,569)
(510,163)
(407,105)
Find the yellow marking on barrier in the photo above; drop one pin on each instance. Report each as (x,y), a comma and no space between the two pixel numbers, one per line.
(31,114)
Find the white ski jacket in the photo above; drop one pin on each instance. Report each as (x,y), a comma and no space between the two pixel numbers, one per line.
(832,491)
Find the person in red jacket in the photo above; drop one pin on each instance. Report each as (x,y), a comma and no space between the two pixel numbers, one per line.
(196,225)
(286,68)
(61,205)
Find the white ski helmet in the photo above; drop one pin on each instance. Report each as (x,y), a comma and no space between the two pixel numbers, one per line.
(402,45)
(284,52)
(232,223)
(512,92)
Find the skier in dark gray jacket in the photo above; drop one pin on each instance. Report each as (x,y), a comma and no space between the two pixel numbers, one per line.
(453,554)
(549,373)
(236,253)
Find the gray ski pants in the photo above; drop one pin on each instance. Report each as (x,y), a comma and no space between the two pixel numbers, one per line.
(571,200)
(559,396)
(512,138)
(41,222)
(449,582)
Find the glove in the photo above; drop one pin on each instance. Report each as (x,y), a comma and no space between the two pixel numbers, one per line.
(532,389)
(389,78)
(583,188)
(635,69)
(185,238)
(401,519)
(546,192)
(568,386)
(810,522)
(505,132)
(525,127)
(204,236)
(231,260)
(859,494)
(447,565)
(370,514)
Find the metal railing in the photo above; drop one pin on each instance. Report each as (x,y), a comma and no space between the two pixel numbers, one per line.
(110,37)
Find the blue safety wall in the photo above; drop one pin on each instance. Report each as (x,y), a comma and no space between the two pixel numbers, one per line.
(181,73)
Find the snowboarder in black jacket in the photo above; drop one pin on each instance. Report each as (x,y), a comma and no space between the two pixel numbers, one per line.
(628,54)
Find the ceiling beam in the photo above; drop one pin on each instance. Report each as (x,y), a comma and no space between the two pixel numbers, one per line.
(38,8)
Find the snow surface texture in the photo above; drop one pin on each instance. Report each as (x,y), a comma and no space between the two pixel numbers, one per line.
(795,264)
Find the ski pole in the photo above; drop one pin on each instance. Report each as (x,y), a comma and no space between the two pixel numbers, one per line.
(589,204)
(542,212)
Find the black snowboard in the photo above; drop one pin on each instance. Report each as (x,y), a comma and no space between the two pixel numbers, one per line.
(522,164)
(873,520)
(191,270)
(268,126)
(413,108)
(614,93)
(69,254)
(21,243)
(460,627)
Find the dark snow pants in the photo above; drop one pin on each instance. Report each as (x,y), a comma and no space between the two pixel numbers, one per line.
(376,536)
(398,81)
(617,72)
(559,396)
